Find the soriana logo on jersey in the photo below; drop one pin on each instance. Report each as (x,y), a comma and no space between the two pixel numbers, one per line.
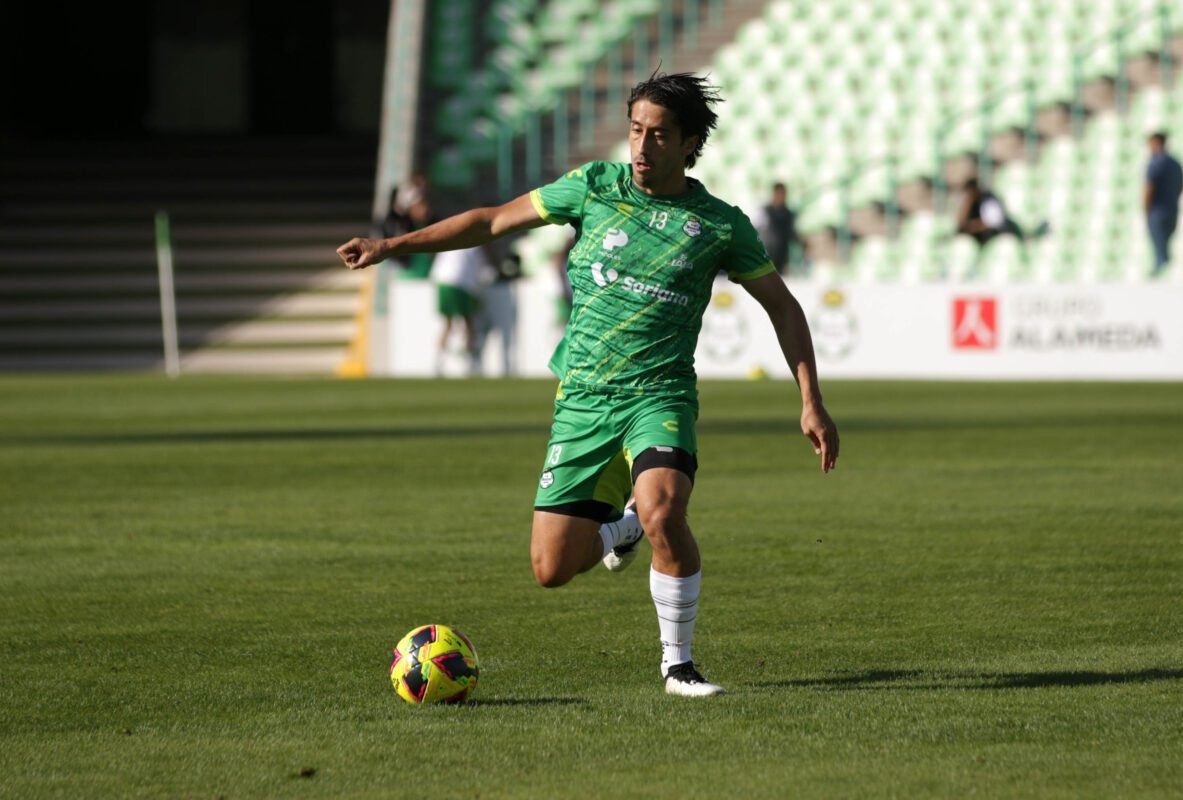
(975,323)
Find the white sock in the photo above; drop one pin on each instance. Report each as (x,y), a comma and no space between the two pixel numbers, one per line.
(615,533)
(676,600)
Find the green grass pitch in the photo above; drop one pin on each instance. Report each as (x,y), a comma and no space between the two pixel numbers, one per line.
(201,581)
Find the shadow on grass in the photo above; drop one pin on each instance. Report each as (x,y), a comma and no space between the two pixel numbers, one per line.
(954,422)
(252,436)
(921,680)
(527,701)
(434,429)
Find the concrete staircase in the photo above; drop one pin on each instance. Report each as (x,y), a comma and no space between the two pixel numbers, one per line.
(254,227)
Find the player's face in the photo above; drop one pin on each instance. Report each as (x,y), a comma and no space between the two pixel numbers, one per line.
(657,149)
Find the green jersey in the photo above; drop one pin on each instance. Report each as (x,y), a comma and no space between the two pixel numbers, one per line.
(641,273)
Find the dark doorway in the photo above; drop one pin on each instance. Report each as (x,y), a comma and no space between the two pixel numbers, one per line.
(75,71)
(291,66)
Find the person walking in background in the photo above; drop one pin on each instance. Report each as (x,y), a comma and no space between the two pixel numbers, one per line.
(777,226)
(457,276)
(1164,184)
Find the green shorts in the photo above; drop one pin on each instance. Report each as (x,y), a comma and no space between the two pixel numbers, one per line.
(455,302)
(595,436)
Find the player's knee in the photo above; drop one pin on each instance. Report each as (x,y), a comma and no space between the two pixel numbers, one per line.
(550,572)
(663,518)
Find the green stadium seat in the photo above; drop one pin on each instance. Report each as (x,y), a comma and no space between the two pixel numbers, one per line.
(451,169)
(817,90)
(1003,259)
(873,260)
(960,258)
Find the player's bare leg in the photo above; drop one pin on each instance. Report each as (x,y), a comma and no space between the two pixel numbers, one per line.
(442,346)
(663,495)
(474,366)
(563,546)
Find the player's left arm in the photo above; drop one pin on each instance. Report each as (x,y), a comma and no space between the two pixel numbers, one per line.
(792,332)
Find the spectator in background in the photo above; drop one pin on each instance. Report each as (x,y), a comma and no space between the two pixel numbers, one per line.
(778,228)
(1164,183)
(410,209)
(983,216)
(418,265)
(457,276)
(406,195)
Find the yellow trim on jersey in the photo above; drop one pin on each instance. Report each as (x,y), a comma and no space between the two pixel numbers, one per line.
(540,207)
(758,272)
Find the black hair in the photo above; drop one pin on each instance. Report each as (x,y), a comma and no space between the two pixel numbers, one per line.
(1160,137)
(689,97)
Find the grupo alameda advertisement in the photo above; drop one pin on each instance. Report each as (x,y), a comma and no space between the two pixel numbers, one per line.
(938,331)
(1097,332)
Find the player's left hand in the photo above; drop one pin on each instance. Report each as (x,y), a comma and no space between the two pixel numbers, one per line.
(822,432)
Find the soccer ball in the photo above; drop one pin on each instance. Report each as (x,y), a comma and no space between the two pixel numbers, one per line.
(434,664)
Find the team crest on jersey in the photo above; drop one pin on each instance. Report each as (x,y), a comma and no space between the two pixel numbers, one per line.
(692,227)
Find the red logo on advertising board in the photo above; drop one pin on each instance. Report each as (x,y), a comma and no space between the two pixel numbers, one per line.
(975,323)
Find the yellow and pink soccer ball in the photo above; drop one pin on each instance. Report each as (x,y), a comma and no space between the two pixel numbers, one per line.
(434,664)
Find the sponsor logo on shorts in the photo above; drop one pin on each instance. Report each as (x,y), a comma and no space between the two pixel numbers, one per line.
(681,263)
(547,480)
(670,425)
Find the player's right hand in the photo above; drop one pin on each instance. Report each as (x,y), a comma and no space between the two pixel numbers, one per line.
(822,433)
(359,253)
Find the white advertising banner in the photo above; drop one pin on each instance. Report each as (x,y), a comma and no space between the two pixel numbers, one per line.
(936,331)
(1098,332)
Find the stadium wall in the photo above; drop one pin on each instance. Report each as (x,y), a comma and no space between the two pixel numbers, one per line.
(941,331)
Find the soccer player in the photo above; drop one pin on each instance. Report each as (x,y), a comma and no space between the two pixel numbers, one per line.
(650,243)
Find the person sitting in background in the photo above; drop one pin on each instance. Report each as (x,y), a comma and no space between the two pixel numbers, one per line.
(983,216)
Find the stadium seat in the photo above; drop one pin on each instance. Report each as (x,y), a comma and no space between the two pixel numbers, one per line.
(821,91)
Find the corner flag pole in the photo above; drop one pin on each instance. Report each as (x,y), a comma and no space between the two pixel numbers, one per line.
(168,295)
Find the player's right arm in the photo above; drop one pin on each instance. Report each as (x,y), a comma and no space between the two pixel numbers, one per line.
(469,229)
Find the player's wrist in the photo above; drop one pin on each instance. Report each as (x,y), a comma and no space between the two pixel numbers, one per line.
(386,248)
(811,399)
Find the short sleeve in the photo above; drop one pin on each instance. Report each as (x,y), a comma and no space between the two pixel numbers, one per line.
(746,258)
(562,202)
